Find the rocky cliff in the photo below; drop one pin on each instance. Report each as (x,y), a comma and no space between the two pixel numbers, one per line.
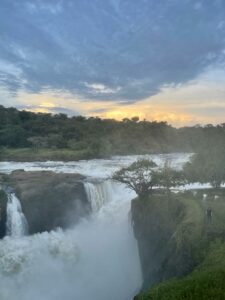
(176,238)
(3,203)
(168,230)
(50,200)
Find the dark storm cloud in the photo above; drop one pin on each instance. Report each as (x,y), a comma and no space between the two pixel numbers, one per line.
(121,50)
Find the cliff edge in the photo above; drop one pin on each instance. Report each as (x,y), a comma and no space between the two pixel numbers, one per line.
(174,235)
(49,200)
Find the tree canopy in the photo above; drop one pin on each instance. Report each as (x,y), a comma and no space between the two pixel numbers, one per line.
(144,175)
(102,137)
(139,176)
(168,177)
(207,166)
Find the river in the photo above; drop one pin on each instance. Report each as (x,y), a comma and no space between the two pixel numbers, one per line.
(96,260)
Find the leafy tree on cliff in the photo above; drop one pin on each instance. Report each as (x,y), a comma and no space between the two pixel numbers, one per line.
(142,176)
(139,176)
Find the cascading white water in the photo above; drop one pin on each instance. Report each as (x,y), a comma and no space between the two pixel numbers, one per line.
(16,224)
(99,193)
(98,259)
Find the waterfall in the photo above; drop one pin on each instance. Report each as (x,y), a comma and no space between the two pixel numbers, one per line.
(99,193)
(16,224)
(85,262)
(96,259)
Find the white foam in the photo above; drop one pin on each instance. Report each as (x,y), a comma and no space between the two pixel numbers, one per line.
(16,224)
(98,259)
(95,168)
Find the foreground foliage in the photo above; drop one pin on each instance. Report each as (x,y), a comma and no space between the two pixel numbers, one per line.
(205,283)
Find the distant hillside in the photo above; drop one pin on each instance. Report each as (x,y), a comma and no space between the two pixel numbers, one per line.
(26,135)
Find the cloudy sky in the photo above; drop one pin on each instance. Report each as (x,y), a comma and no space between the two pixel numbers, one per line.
(159,60)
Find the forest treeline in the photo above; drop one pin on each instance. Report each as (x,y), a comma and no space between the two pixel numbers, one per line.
(101,137)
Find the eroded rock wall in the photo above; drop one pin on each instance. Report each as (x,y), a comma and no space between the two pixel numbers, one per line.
(50,200)
(164,249)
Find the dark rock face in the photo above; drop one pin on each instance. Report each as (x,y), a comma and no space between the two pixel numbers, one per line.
(50,200)
(155,222)
(3,204)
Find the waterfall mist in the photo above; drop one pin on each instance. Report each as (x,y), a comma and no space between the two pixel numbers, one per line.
(97,259)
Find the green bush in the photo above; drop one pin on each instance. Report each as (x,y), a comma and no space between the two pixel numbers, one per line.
(200,285)
(205,283)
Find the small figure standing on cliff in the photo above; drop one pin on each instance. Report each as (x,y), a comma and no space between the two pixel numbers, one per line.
(209,215)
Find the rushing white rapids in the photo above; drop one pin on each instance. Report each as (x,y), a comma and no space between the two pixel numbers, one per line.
(96,168)
(16,224)
(98,259)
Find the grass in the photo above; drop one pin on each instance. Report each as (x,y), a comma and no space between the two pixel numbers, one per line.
(207,280)
(30,154)
(192,222)
(205,283)
(208,285)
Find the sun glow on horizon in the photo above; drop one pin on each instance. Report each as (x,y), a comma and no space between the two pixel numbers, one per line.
(198,102)
(143,109)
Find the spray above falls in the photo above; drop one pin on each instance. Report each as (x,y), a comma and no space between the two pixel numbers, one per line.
(83,262)
(96,259)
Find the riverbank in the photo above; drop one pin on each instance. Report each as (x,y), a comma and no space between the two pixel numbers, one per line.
(44,154)
(181,248)
(66,154)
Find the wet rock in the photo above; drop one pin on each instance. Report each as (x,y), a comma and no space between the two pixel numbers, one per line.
(3,203)
(50,200)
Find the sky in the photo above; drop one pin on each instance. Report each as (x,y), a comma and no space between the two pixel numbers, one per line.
(159,60)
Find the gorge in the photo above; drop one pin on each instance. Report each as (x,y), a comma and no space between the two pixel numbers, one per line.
(96,257)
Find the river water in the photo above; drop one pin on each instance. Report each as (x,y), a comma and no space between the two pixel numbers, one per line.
(96,260)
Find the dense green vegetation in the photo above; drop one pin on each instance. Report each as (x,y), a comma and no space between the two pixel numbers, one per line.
(42,154)
(144,176)
(206,283)
(206,240)
(207,166)
(79,137)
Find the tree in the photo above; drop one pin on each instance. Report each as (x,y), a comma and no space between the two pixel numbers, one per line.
(139,176)
(135,119)
(168,177)
(207,167)
(143,175)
